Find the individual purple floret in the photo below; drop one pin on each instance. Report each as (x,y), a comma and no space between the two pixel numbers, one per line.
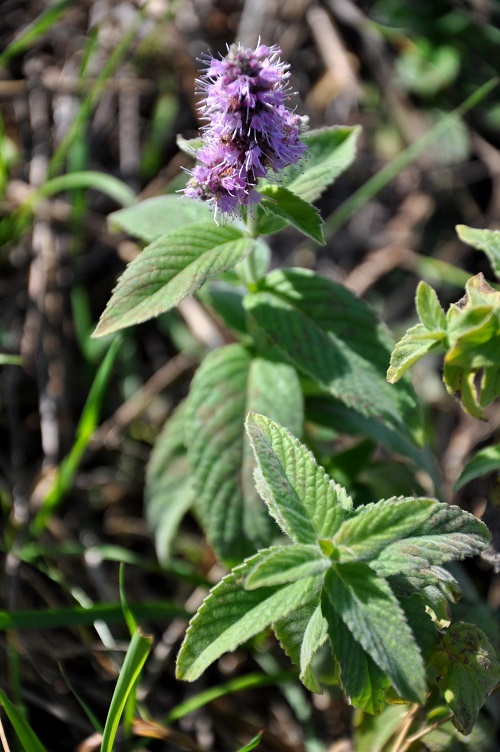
(249,129)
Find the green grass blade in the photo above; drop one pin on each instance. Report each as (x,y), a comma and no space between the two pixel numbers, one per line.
(107,184)
(86,427)
(373,186)
(111,613)
(84,705)
(90,100)
(127,613)
(39,26)
(29,740)
(252,744)
(241,683)
(137,653)
(10,360)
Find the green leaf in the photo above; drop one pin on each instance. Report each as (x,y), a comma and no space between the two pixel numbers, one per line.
(228,384)
(286,564)
(297,212)
(484,240)
(364,683)
(447,534)
(167,492)
(87,424)
(429,308)
(330,412)
(99,181)
(301,633)
(10,360)
(169,270)
(27,737)
(414,344)
(226,302)
(373,615)
(303,500)
(373,733)
(137,653)
(335,339)
(374,526)
(487,460)
(330,151)
(421,624)
(190,146)
(467,670)
(158,216)
(230,615)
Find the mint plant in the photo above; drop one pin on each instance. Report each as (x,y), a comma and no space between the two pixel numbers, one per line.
(360,577)
(357,591)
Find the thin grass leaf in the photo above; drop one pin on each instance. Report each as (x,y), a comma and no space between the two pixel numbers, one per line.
(40,25)
(137,653)
(86,427)
(373,186)
(96,724)
(131,703)
(98,181)
(252,744)
(111,613)
(127,613)
(27,737)
(240,684)
(10,360)
(85,111)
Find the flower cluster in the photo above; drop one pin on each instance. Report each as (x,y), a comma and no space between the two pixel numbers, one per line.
(249,129)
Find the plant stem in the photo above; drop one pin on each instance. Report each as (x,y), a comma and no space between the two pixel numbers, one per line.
(425,731)
(410,717)
(248,264)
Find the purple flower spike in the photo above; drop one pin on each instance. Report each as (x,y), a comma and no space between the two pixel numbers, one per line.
(249,129)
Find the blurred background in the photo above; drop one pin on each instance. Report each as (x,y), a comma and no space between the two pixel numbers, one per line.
(104,88)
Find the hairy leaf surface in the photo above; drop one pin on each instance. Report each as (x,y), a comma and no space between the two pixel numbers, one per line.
(364,683)
(167,492)
(484,240)
(157,216)
(301,497)
(286,564)
(335,339)
(375,526)
(447,534)
(302,633)
(330,151)
(229,383)
(170,269)
(371,612)
(294,210)
(230,615)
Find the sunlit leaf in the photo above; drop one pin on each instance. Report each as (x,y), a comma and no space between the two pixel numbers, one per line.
(467,670)
(301,497)
(231,615)
(373,615)
(170,269)
(484,240)
(158,216)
